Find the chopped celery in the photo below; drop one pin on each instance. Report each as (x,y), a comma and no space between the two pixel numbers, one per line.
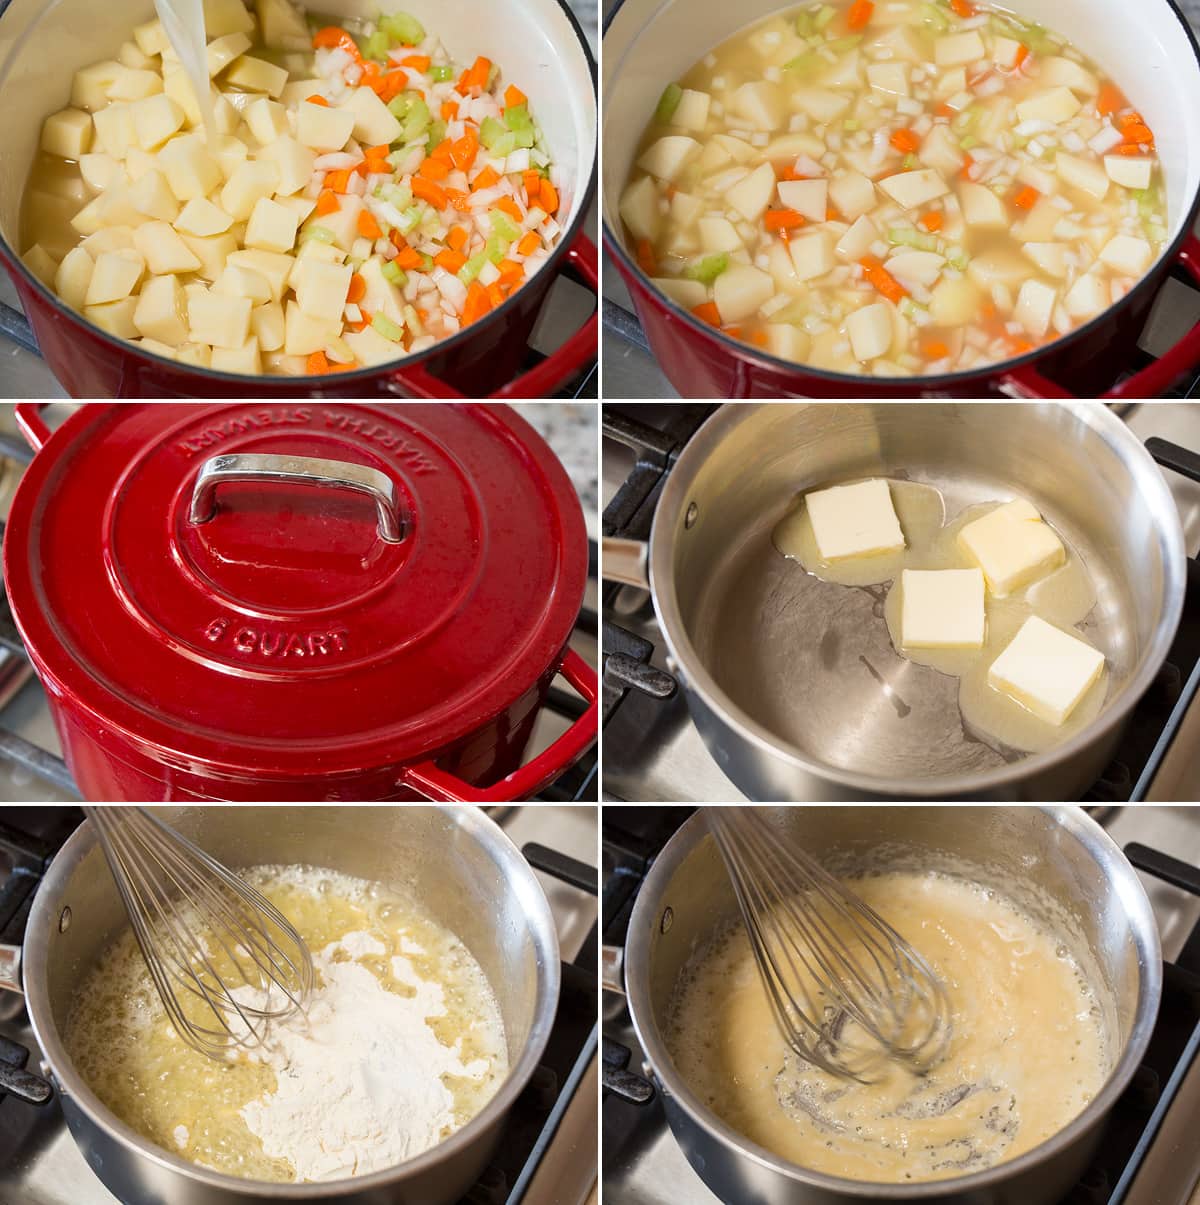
(804,23)
(503,225)
(905,236)
(387,328)
(851,126)
(472,267)
(495,248)
(825,14)
(968,142)
(437,132)
(958,259)
(426,262)
(1020,142)
(910,309)
(934,18)
(441,74)
(805,63)
(402,28)
(317,234)
(708,269)
(416,121)
(496,138)
(521,124)
(399,106)
(841,45)
(393,272)
(412,215)
(1149,202)
(376,46)
(911,163)
(668,102)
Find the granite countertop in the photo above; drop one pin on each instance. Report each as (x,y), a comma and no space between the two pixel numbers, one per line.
(570,428)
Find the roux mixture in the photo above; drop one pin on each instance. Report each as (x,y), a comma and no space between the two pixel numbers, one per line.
(1064,597)
(1027,1053)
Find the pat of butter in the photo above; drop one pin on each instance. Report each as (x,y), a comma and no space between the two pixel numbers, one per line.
(1046,670)
(942,609)
(854,520)
(1012,546)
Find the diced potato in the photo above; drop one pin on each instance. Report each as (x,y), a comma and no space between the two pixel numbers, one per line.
(237,281)
(276,268)
(212,251)
(685,208)
(138,162)
(639,209)
(111,238)
(740,290)
(257,75)
(852,195)
(954,302)
(165,252)
(856,242)
(789,146)
(272,226)
(298,91)
(190,170)
(155,119)
(713,156)
(178,87)
(90,85)
(751,196)
(1087,297)
(87,220)
(342,223)
(687,293)
(899,42)
(326,129)
(1035,307)
(981,207)
(666,157)
(283,28)
(117,208)
(940,151)
(1050,257)
(295,163)
(1005,52)
(719,234)
(1083,174)
(115,317)
(250,182)
(222,51)
(115,274)
(73,277)
(870,331)
(239,359)
(1056,71)
(998,266)
(321,290)
(786,341)
(218,319)
(1039,226)
(267,325)
(916,267)
(1055,104)
(1129,171)
(223,17)
(305,334)
(370,347)
(151,38)
(302,207)
(41,263)
(1128,255)
(100,171)
(231,152)
(692,111)
(198,354)
(953,50)
(153,346)
(161,311)
(115,130)
(889,78)
(783,271)
(845,73)
(951,83)
(812,255)
(152,196)
(267,120)
(225,116)
(761,103)
(820,103)
(738,149)
(914,189)
(997,119)
(809,198)
(1038,177)
(201,216)
(374,122)
(67,133)
(131,84)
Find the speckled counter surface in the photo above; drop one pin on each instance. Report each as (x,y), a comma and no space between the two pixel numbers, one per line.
(570,428)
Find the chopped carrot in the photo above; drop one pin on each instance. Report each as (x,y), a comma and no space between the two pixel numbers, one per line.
(530,242)
(906,142)
(932,221)
(485,179)
(860,14)
(409,260)
(459,199)
(398,240)
(317,99)
(372,74)
(760,338)
(967,167)
(428,191)
(433,169)
(364,321)
(532,181)
(513,96)
(548,197)
(449,110)
(645,257)
(332,37)
(317,362)
(708,312)
(831,214)
(495,294)
(509,207)
(734,332)
(962,8)
(780,220)
(327,202)
(475,78)
(443,151)
(1110,99)
(1019,347)
(357,290)
(464,150)
(1027,198)
(1133,148)
(934,349)
(883,281)
(368,227)
(1022,55)
(418,62)
(787,172)
(944,110)
(511,272)
(338,181)
(457,238)
(1137,133)
(477,303)
(450,259)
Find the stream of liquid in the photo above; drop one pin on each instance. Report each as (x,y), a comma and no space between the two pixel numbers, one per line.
(1064,598)
(184,22)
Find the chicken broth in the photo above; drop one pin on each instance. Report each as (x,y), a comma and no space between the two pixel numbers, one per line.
(898,188)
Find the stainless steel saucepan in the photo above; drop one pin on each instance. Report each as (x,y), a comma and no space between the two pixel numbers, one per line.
(457,863)
(794,684)
(1055,862)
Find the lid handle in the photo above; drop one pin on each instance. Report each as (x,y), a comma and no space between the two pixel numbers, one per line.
(299,470)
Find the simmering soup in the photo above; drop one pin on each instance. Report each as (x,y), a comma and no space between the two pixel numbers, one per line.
(896,188)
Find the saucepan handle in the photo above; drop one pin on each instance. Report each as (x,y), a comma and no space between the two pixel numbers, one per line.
(1154,379)
(443,787)
(626,561)
(1172,456)
(14,1079)
(32,425)
(299,470)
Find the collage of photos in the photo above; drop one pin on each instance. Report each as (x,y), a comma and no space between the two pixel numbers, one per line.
(601,602)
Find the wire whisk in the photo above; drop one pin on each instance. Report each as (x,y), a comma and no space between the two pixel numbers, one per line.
(847,991)
(224,960)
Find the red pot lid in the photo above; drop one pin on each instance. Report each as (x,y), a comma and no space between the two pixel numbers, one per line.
(278,618)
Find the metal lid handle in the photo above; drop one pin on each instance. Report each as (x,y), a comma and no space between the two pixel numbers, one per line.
(299,470)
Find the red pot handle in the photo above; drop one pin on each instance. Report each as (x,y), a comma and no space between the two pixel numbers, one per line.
(443,787)
(1154,379)
(32,425)
(548,376)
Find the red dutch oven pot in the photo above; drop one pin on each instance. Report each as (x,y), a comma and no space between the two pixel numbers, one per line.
(537,42)
(1148,48)
(310,602)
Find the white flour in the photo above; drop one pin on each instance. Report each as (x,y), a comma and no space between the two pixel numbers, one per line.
(359,1079)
